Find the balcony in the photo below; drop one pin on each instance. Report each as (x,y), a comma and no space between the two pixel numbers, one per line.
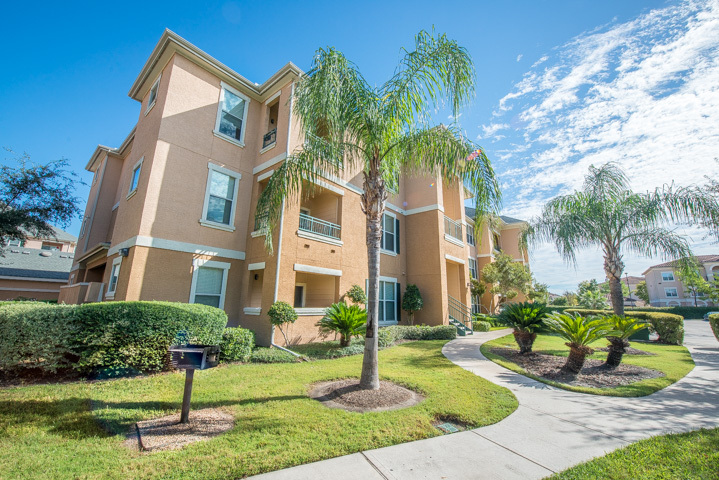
(453,229)
(319,227)
(269,139)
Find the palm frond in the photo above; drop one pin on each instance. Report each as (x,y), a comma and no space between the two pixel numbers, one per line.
(608,181)
(691,205)
(657,241)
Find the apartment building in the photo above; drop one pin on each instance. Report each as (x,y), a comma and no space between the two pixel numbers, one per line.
(171,211)
(665,289)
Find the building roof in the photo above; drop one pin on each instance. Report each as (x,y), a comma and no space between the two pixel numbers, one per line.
(700,258)
(63,236)
(33,263)
(470,212)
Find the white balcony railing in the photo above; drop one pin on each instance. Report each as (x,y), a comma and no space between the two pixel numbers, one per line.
(319,227)
(453,228)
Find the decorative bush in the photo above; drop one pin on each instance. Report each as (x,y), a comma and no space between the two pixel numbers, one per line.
(412,301)
(685,311)
(390,335)
(348,321)
(387,336)
(236,345)
(282,315)
(482,326)
(714,322)
(272,355)
(526,318)
(357,295)
(102,338)
(669,327)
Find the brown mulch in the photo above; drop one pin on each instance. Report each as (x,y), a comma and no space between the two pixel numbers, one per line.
(628,351)
(346,395)
(167,433)
(593,375)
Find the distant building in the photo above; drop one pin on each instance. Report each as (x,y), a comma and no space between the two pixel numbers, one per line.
(37,267)
(665,289)
(631,300)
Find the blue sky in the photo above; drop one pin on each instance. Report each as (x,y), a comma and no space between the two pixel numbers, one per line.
(561,84)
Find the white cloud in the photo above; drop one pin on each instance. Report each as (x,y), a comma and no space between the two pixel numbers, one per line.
(519,57)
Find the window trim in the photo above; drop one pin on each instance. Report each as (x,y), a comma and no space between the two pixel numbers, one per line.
(135,168)
(470,261)
(381,248)
(218,119)
(211,167)
(197,263)
(666,279)
(382,303)
(666,294)
(111,293)
(155,85)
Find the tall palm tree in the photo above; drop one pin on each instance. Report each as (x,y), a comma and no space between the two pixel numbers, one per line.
(606,213)
(382,130)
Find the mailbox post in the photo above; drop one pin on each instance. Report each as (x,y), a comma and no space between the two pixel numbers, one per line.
(191,358)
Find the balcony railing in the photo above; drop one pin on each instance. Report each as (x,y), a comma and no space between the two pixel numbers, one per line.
(269,138)
(319,227)
(261,222)
(453,228)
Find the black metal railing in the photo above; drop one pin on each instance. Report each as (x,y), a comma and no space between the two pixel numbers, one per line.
(261,222)
(269,138)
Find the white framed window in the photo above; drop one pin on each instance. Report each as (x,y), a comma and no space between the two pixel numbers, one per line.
(390,233)
(209,282)
(472,268)
(84,226)
(671,292)
(135,178)
(470,235)
(232,115)
(14,242)
(667,276)
(114,276)
(388,301)
(152,97)
(220,198)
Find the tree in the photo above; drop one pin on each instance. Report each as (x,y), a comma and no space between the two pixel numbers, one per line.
(412,301)
(525,318)
(606,213)
(571,298)
(592,299)
(579,332)
(357,295)
(559,301)
(282,315)
(348,124)
(688,273)
(33,196)
(539,292)
(642,292)
(348,321)
(622,329)
(506,278)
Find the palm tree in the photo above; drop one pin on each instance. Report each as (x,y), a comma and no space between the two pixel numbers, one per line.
(579,332)
(525,318)
(623,328)
(348,321)
(606,213)
(382,131)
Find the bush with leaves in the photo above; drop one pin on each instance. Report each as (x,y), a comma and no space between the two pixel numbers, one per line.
(236,344)
(669,327)
(357,295)
(412,301)
(272,355)
(348,321)
(579,332)
(622,329)
(526,318)
(482,326)
(282,315)
(714,323)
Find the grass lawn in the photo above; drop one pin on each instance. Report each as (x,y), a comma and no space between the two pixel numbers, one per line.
(76,430)
(673,360)
(693,455)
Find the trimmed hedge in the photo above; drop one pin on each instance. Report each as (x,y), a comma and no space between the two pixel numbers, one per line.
(272,355)
(110,338)
(669,327)
(236,345)
(389,335)
(714,322)
(686,312)
(482,326)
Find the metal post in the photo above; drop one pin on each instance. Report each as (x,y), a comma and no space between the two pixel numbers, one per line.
(185,415)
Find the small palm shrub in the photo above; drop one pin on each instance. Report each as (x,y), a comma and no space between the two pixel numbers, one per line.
(622,329)
(525,318)
(346,320)
(579,332)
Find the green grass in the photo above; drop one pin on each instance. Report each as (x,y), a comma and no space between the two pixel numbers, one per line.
(693,455)
(50,431)
(672,360)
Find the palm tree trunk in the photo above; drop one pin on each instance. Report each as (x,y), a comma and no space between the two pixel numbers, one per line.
(577,356)
(373,200)
(617,348)
(613,268)
(344,340)
(525,340)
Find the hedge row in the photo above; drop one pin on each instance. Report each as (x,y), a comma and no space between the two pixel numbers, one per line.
(389,335)
(686,312)
(669,327)
(105,339)
(714,322)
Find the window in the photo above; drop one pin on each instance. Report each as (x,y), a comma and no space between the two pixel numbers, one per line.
(495,240)
(15,242)
(476,304)
(135,178)
(232,115)
(220,196)
(84,227)
(48,246)
(114,276)
(152,98)
(300,294)
(209,280)
(472,268)
(671,292)
(668,276)
(470,235)
(390,234)
(388,295)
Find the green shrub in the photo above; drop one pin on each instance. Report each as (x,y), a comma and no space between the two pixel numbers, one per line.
(714,322)
(412,301)
(684,311)
(424,332)
(282,315)
(236,345)
(357,295)
(482,326)
(272,355)
(106,338)
(387,336)
(353,349)
(349,321)
(669,327)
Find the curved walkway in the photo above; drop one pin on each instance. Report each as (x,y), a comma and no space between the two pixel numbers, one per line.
(551,430)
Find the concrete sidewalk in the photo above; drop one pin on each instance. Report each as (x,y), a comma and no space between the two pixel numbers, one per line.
(551,430)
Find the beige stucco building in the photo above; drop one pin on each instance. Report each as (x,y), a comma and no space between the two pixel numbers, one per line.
(171,212)
(665,289)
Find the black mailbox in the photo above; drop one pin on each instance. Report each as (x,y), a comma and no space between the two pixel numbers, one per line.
(195,357)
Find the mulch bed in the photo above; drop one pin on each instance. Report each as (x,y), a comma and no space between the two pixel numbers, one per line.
(629,351)
(593,375)
(346,395)
(167,433)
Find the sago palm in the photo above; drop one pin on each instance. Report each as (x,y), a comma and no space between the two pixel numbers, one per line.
(385,130)
(579,332)
(348,321)
(525,318)
(622,329)
(606,213)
